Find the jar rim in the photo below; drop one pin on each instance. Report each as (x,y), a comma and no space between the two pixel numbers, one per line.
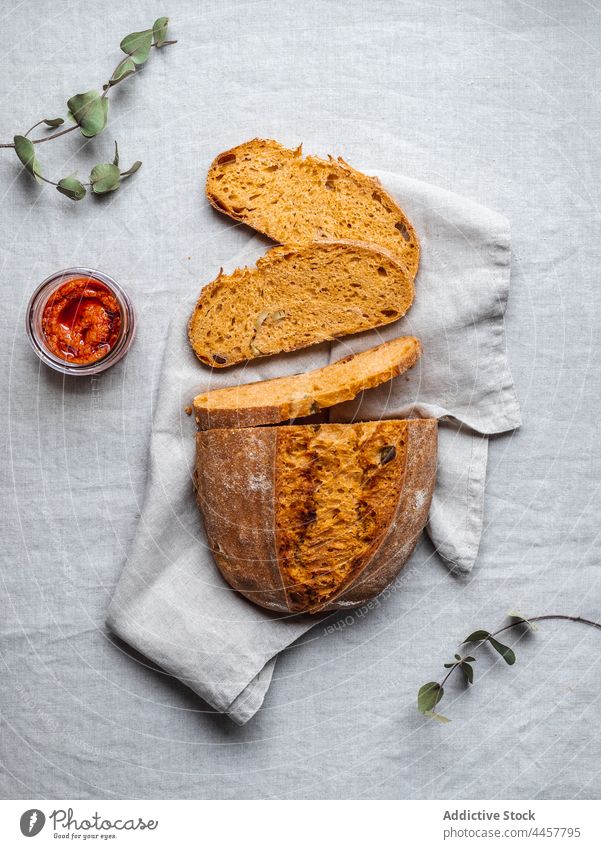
(37,304)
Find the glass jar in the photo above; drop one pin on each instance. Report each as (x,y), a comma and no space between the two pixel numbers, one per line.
(39,340)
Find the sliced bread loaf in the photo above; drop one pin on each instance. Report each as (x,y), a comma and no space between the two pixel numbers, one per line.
(295,297)
(272,401)
(310,518)
(295,199)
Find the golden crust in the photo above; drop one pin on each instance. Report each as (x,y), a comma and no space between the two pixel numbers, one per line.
(284,398)
(236,476)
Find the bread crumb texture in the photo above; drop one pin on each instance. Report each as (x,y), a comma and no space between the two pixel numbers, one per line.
(282,398)
(337,490)
(295,297)
(296,200)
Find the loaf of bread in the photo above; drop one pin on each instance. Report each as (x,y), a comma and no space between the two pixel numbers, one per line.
(311,518)
(295,297)
(272,401)
(295,199)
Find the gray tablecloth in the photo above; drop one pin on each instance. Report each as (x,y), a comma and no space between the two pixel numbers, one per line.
(498,102)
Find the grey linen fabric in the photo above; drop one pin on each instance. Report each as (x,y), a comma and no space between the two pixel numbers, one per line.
(171,604)
(498,101)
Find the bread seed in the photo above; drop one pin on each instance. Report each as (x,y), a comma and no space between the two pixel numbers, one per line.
(219,358)
(261,318)
(387,453)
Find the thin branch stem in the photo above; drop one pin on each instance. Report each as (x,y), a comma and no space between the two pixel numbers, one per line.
(45,180)
(543,618)
(33,128)
(449,673)
(55,135)
(46,138)
(539,619)
(68,129)
(550,616)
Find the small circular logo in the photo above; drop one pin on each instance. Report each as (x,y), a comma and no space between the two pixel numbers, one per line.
(32,822)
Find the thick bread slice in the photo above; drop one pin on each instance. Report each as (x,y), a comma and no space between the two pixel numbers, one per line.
(272,401)
(295,297)
(295,200)
(312,518)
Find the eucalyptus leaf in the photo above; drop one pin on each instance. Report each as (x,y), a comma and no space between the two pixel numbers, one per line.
(437,716)
(116,157)
(137,45)
(159,31)
(71,188)
(506,653)
(132,170)
(428,696)
(124,69)
(54,122)
(519,618)
(90,111)
(105,178)
(477,637)
(25,150)
(468,672)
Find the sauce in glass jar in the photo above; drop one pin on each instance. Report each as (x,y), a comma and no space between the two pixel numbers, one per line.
(80,321)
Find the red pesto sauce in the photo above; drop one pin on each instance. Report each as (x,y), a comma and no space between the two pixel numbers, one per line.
(81,321)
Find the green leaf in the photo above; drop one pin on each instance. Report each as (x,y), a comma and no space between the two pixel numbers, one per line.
(506,653)
(469,659)
(159,30)
(116,157)
(25,150)
(449,665)
(54,122)
(124,69)
(137,45)
(468,672)
(90,111)
(429,695)
(137,164)
(477,637)
(457,657)
(71,188)
(519,618)
(437,716)
(105,178)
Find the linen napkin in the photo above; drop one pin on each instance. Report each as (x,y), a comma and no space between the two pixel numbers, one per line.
(171,603)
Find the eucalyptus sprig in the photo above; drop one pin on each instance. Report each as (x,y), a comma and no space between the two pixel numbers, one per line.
(430,694)
(88,112)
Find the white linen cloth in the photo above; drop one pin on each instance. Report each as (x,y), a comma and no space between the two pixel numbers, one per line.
(171,603)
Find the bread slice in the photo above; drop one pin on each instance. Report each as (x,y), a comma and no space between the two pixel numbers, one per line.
(297,296)
(312,518)
(295,199)
(273,401)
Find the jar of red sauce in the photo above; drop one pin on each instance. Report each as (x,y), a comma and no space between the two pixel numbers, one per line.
(80,321)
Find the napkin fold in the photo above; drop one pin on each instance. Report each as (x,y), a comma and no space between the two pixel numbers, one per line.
(171,603)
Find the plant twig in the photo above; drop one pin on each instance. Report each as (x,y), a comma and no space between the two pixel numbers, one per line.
(564,616)
(89,112)
(430,694)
